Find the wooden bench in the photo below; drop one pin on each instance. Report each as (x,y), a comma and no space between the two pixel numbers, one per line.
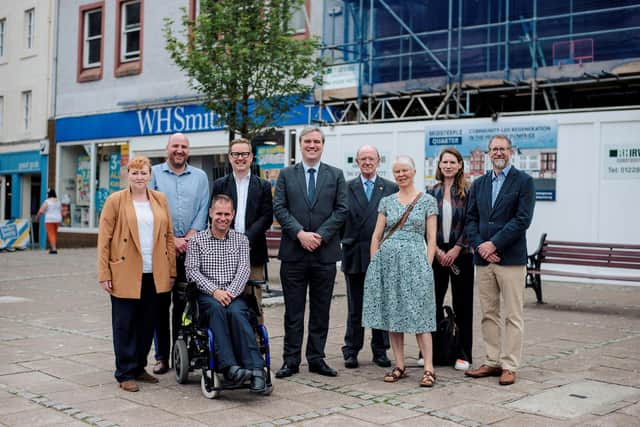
(609,255)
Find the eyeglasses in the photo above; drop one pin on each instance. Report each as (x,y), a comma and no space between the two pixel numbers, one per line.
(243,155)
(500,149)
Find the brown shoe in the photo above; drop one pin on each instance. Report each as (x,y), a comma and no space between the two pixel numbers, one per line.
(146,377)
(508,377)
(161,367)
(484,371)
(129,385)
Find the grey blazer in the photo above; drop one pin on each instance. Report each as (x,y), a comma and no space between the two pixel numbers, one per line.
(361,220)
(324,215)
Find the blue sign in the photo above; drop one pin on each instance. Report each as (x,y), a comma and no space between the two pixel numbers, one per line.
(154,121)
(20,162)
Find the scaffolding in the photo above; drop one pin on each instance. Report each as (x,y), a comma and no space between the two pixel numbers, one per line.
(439,59)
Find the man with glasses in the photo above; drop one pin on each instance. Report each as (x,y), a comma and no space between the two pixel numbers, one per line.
(187,191)
(252,203)
(499,211)
(364,192)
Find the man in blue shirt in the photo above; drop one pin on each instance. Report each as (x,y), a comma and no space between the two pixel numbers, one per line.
(187,191)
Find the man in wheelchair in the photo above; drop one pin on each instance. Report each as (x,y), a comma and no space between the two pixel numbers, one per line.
(218,262)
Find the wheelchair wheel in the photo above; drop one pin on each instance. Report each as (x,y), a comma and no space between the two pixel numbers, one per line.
(181,361)
(213,378)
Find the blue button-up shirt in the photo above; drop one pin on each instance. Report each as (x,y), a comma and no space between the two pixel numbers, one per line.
(497,181)
(187,194)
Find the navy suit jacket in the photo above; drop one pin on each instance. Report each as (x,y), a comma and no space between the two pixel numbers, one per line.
(325,214)
(506,223)
(361,220)
(258,216)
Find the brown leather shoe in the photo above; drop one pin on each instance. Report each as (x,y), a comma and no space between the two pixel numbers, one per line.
(508,377)
(129,385)
(484,371)
(146,377)
(161,367)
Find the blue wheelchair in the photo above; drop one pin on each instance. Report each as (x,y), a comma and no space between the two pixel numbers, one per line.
(194,347)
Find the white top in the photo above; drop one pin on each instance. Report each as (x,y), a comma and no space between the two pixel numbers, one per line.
(53,212)
(447,215)
(144,215)
(242,190)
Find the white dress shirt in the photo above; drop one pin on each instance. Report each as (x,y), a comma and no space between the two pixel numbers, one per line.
(242,190)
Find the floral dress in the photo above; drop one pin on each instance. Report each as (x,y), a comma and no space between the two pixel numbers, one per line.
(398,289)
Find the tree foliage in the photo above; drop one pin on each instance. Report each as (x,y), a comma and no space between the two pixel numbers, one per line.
(241,56)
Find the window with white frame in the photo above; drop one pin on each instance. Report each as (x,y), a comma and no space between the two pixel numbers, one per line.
(130,31)
(91,49)
(298,21)
(26,109)
(3,25)
(1,112)
(29,28)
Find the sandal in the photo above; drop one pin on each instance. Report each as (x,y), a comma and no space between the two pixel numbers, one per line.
(395,375)
(428,379)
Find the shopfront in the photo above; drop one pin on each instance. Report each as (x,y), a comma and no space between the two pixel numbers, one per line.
(92,153)
(22,188)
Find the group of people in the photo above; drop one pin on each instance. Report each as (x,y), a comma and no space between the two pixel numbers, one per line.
(399,249)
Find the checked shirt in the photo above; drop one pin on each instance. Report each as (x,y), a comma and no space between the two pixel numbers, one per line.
(218,263)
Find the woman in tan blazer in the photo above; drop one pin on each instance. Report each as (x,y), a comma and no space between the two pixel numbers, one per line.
(136,262)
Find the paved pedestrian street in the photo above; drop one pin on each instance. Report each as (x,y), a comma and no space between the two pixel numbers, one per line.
(580,367)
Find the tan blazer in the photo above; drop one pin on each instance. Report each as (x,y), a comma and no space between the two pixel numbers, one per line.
(119,254)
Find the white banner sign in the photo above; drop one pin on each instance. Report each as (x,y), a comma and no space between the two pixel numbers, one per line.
(621,161)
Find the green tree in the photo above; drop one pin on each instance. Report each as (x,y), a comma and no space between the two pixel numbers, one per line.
(241,56)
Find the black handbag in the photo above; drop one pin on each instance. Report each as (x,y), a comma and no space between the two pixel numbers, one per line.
(446,340)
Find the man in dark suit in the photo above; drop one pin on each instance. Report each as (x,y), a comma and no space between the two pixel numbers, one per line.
(310,203)
(252,203)
(499,211)
(364,192)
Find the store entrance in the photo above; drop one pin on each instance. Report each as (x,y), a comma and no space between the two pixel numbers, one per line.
(34,205)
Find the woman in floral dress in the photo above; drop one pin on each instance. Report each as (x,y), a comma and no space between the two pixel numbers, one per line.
(399,292)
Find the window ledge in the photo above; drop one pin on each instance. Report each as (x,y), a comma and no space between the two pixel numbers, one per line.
(28,54)
(129,69)
(90,75)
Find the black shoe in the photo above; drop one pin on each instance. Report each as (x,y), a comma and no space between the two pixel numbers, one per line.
(52,251)
(382,360)
(236,375)
(258,381)
(287,371)
(351,362)
(320,367)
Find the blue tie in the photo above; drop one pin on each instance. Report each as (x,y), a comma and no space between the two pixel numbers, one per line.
(311,190)
(368,189)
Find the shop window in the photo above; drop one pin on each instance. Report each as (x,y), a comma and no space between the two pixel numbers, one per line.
(90,46)
(129,38)
(26,109)
(29,28)
(81,203)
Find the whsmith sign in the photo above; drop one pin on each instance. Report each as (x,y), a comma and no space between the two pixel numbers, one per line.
(154,121)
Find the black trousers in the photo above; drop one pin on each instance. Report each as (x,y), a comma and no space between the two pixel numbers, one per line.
(235,341)
(296,278)
(461,295)
(354,334)
(164,337)
(132,321)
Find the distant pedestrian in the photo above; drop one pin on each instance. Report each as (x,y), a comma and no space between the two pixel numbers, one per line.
(52,210)
(364,192)
(398,289)
(499,212)
(136,266)
(187,191)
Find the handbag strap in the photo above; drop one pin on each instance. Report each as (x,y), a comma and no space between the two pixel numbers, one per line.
(402,220)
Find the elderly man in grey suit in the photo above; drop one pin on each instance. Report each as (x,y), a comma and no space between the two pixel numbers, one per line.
(364,192)
(310,203)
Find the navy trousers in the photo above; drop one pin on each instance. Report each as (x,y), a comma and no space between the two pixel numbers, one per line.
(235,340)
(132,321)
